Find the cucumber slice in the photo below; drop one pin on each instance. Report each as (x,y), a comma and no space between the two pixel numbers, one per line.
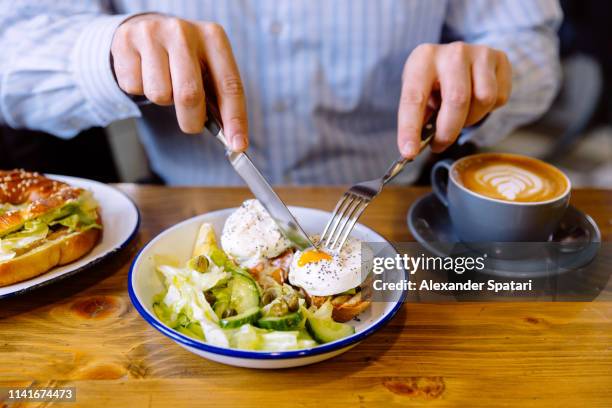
(237,270)
(246,337)
(222,301)
(240,295)
(287,322)
(248,316)
(221,307)
(327,330)
(304,340)
(244,294)
(221,293)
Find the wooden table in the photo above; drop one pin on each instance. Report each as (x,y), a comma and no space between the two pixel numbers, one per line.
(83,332)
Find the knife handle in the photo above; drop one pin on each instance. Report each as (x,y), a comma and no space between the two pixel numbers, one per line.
(214,123)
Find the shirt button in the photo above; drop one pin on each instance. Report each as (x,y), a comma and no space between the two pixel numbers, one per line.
(123,108)
(276,27)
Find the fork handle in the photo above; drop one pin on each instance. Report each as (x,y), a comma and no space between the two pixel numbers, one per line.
(428,132)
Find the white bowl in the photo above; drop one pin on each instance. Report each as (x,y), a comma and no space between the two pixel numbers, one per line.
(144,283)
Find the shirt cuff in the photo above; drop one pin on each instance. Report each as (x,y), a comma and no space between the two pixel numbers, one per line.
(92,67)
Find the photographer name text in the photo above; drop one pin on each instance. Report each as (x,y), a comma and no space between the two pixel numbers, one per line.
(469,285)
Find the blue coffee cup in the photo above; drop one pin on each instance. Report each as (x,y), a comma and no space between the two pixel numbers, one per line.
(477,218)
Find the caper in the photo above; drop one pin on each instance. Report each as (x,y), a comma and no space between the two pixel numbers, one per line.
(270,294)
(292,301)
(278,309)
(210,297)
(200,263)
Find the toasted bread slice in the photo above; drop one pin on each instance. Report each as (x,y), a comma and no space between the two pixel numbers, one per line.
(346,307)
(60,251)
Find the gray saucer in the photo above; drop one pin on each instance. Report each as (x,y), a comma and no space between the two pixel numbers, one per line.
(574,245)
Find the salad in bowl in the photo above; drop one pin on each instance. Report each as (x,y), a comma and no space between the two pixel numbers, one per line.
(250,301)
(229,287)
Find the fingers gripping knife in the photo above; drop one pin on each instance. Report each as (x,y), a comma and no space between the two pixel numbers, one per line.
(260,188)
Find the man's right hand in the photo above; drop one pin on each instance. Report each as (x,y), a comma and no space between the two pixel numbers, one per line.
(165,59)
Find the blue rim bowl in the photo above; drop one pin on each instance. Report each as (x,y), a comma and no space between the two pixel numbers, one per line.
(257,355)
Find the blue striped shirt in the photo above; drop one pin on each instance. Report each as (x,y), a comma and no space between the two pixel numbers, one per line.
(322,77)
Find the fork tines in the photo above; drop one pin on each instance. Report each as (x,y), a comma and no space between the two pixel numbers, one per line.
(347,212)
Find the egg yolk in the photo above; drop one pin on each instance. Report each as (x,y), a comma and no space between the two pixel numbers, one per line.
(313,255)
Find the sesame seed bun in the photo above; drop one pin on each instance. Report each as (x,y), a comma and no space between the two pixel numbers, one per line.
(36,195)
(31,196)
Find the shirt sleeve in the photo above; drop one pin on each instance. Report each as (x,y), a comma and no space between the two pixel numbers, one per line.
(55,74)
(526,31)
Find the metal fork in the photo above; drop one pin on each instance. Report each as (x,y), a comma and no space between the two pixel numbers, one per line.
(356,199)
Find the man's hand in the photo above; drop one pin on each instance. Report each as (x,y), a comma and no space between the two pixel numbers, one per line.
(165,59)
(472,80)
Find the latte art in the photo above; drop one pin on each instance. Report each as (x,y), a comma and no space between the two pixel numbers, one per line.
(510,178)
(510,181)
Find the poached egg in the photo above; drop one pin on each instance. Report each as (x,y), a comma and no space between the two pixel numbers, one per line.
(251,236)
(322,273)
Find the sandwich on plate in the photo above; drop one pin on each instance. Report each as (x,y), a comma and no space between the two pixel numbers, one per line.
(44,223)
(253,290)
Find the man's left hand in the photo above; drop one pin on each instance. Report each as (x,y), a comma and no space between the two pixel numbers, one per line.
(472,80)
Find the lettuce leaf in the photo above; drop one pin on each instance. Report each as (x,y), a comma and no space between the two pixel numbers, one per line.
(84,208)
(185,294)
(279,340)
(76,215)
(199,281)
(71,221)
(184,297)
(249,337)
(78,221)
(31,232)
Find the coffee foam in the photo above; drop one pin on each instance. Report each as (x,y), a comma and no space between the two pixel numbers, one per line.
(510,178)
(510,181)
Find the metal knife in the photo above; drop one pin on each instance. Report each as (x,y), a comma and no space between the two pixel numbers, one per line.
(260,188)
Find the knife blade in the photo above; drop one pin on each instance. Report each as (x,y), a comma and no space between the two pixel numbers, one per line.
(259,186)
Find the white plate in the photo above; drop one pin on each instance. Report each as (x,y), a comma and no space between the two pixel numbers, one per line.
(120,218)
(177,241)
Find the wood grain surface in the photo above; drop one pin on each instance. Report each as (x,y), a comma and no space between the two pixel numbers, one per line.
(83,332)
